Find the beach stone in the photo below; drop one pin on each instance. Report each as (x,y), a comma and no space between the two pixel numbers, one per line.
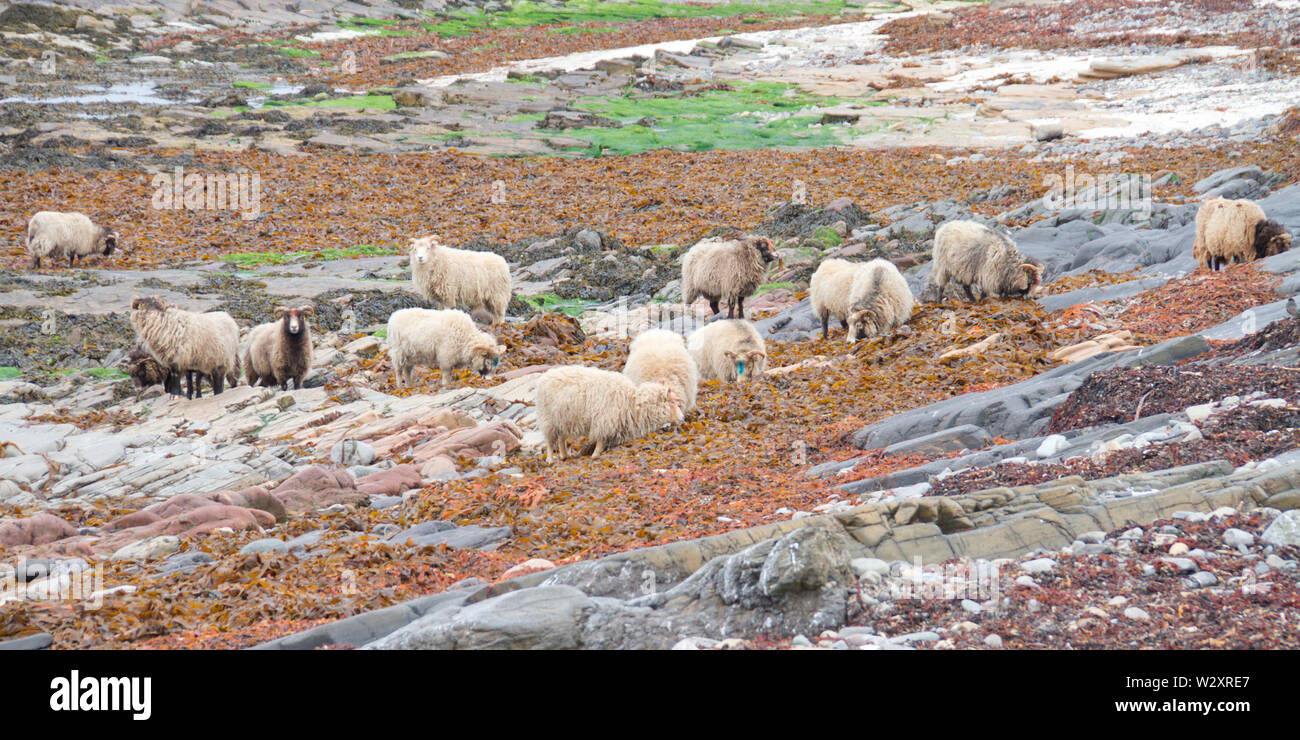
(267,544)
(539,618)
(1234,537)
(993,641)
(149,549)
(352,452)
(1136,614)
(1039,565)
(1284,530)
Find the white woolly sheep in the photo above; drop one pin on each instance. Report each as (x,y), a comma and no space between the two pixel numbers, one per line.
(829,292)
(973,261)
(460,278)
(878,301)
(53,234)
(605,407)
(725,270)
(728,350)
(659,356)
(446,339)
(1235,231)
(187,342)
(280,351)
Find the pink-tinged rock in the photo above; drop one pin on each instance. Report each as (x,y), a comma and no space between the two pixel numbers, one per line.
(317,487)
(436,465)
(856,249)
(535,565)
(839,204)
(448,419)
(37,529)
(395,443)
(497,438)
(391,482)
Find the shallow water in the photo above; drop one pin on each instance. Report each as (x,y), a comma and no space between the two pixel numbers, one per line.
(140,93)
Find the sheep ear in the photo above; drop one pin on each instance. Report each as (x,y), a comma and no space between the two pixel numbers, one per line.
(1035,272)
(731,355)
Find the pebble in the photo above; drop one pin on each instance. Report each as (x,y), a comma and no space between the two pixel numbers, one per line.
(1136,614)
(267,544)
(800,641)
(1025,581)
(863,566)
(993,641)
(1117,601)
(1234,537)
(1178,548)
(1094,537)
(971,606)
(1200,579)
(1184,565)
(1038,565)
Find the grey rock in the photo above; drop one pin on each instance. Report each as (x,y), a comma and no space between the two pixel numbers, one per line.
(964,437)
(352,452)
(38,641)
(268,544)
(1284,530)
(539,618)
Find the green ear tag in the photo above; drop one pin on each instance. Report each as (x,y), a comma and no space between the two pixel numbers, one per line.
(740,368)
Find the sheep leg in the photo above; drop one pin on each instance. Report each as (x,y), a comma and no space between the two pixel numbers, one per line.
(218,382)
(72,259)
(826,324)
(740,305)
(36,263)
(600,447)
(713,306)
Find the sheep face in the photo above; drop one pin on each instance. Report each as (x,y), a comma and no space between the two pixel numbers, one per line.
(294,323)
(764,247)
(486,358)
(422,249)
(1027,281)
(659,397)
(108,242)
(1271,238)
(747,365)
(148,303)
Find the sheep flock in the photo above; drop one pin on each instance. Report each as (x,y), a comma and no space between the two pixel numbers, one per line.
(660,382)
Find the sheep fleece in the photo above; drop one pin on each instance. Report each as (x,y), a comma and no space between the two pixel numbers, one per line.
(710,344)
(660,356)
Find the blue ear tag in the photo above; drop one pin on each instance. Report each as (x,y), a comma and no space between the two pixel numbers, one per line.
(740,368)
(496,361)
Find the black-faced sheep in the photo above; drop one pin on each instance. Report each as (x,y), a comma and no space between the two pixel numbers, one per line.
(280,351)
(446,339)
(460,278)
(605,407)
(186,342)
(658,356)
(53,234)
(973,261)
(725,270)
(878,301)
(1235,231)
(728,350)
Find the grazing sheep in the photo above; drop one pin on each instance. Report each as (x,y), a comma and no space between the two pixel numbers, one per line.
(280,351)
(447,339)
(728,271)
(728,350)
(605,407)
(659,356)
(1235,231)
(975,262)
(145,370)
(188,342)
(456,278)
(829,292)
(53,234)
(878,301)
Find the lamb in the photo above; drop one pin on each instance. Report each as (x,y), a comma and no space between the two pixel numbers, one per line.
(184,341)
(729,270)
(456,278)
(728,350)
(605,407)
(878,301)
(280,351)
(53,234)
(1236,231)
(660,356)
(829,292)
(974,261)
(447,338)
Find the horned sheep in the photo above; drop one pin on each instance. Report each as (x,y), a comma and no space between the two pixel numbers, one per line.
(728,350)
(280,351)
(660,356)
(725,270)
(1235,231)
(605,407)
(447,339)
(54,234)
(460,278)
(187,342)
(974,261)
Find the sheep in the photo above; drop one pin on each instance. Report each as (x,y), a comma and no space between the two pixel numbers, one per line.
(878,301)
(145,370)
(728,350)
(447,338)
(660,356)
(184,341)
(1236,231)
(829,292)
(53,234)
(280,351)
(729,270)
(603,406)
(455,278)
(975,261)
